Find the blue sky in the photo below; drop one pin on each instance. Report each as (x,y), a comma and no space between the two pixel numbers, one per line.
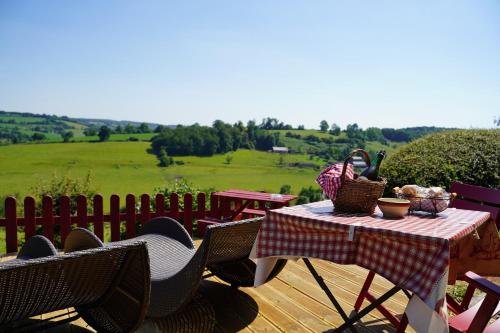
(376,63)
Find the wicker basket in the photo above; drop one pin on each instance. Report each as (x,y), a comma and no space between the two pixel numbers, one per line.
(356,195)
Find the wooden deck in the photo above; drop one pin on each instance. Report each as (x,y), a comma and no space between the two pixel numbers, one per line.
(292,302)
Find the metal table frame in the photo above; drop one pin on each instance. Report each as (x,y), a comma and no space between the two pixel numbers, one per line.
(349,321)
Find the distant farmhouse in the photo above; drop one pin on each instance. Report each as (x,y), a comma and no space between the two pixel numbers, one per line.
(280,150)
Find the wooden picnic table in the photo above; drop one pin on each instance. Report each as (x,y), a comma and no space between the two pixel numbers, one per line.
(231,205)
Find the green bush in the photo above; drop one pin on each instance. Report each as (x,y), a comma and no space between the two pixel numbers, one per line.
(57,187)
(468,156)
(182,186)
(309,194)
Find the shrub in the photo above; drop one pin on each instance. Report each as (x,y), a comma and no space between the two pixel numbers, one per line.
(469,156)
(286,189)
(38,136)
(164,159)
(59,186)
(309,194)
(182,186)
(56,187)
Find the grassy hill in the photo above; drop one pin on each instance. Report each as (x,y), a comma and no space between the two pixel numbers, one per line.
(23,126)
(126,167)
(26,124)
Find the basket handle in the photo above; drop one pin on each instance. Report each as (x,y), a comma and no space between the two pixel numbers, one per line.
(366,157)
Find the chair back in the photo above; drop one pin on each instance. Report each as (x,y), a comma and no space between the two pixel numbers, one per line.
(85,280)
(479,198)
(231,241)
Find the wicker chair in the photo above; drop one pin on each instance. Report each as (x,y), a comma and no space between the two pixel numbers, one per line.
(108,287)
(177,266)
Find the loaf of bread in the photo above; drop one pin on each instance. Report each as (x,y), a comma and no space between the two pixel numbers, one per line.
(409,190)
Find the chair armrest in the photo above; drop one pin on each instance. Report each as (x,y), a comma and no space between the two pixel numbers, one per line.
(482,284)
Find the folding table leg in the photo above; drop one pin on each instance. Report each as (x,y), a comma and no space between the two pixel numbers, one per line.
(374,304)
(364,291)
(328,293)
(365,294)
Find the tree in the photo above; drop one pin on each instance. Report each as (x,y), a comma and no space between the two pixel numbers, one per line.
(90,131)
(323,126)
(354,132)
(252,130)
(66,136)
(286,189)
(335,129)
(301,127)
(143,128)
(38,136)
(164,159)
(229,158)
(118,129)
(374,134)
(265,141)
(159,128)
(104,133)
(129,129)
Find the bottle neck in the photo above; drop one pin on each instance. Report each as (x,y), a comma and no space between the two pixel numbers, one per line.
(378,161)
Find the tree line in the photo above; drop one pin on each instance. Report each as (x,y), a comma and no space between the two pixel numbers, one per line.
(353,131)
(220,138)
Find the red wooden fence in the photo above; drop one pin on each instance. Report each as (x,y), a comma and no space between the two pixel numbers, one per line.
(66,220)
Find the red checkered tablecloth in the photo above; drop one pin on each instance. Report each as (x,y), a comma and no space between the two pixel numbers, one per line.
(412,252)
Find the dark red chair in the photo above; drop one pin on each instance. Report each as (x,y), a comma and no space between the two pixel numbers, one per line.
(479,198)
(476,318)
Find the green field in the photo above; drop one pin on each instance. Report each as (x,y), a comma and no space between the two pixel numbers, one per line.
(126,167)
(113,137)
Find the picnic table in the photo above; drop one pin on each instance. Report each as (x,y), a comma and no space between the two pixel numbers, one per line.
(231,205)
(419,253)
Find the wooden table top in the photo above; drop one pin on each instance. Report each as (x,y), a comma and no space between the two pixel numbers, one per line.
(258,196)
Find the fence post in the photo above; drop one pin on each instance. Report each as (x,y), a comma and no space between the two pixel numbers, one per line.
(201,200)
(65,218)
(214,206)
(48,217)
(98,216)
(160,204)
(145,203)
(29,218)
(11,224)
(174,206)
(114,203)
(188,212)
(81,211)
(130,215)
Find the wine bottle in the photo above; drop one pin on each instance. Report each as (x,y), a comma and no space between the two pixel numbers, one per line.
(372,171)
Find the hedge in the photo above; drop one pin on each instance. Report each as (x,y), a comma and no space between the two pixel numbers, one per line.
(469,156)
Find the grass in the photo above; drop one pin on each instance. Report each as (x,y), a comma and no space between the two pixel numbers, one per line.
(126,167)
(115,137)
